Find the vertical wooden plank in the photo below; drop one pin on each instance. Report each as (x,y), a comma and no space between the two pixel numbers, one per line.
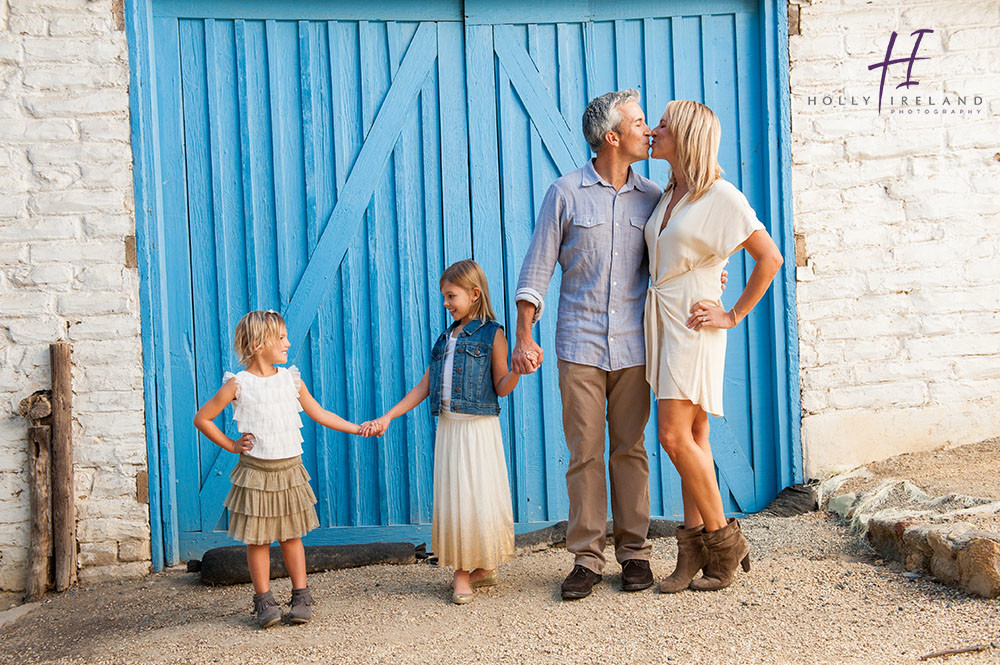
(427,295)
(348,138)
(145,151)
(179,343)
(63,489)
(630,67)
(512,126)
(719,89)
(455,151)
(763,450)
(374,84)
(330,333)
(287,198)
(409,256)
(599,43)
(659,83)
(484,158)
(40,502)
(313,170)
(655,47)
(226,209)
(773,22)
(571,69)
(687,57)
(483,151)
(196,453)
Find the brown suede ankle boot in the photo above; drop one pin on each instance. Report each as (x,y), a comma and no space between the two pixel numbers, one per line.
(691,557)
(727,549)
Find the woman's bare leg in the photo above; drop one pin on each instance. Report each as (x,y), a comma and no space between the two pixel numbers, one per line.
(676,426)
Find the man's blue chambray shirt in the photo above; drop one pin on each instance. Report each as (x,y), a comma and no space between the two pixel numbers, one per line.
(596,235)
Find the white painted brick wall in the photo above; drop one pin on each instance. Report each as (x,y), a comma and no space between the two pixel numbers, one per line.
(66,210)
(898,304)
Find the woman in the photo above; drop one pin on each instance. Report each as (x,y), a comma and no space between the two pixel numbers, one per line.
(699,222)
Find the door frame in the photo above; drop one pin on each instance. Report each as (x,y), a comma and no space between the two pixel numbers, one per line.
(164,536)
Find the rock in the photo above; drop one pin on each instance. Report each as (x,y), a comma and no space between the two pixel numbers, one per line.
(979,567)
(841,505)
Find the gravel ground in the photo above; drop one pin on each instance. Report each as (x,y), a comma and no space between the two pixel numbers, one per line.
(972,470)
(815,595)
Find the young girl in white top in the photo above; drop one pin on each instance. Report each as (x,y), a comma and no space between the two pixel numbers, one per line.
(270,499)
(473,524)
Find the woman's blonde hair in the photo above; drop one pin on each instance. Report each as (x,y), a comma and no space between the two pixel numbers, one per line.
(697,133)
(254,331)
(468,275)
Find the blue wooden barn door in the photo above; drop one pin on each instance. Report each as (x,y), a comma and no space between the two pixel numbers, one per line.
(315,167)
(329,165)
(533,81)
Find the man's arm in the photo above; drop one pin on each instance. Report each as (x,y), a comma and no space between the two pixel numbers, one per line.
(536,273)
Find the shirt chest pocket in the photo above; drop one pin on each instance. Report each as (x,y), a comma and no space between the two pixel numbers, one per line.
(589,232)
(472,362)
(636,237)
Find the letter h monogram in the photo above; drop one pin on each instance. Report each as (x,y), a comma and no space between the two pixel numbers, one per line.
(889,61)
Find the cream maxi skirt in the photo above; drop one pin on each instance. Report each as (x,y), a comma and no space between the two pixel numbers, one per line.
(270,500)
(473,525)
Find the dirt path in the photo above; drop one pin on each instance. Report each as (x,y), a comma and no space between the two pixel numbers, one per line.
(815,595)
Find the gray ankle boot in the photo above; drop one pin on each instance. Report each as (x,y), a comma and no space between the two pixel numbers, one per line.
(302,602)
(267,610)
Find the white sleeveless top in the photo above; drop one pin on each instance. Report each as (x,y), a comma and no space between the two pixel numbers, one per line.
(446,371)
(268,407)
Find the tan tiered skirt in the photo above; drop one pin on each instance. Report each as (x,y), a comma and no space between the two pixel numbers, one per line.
(270,500)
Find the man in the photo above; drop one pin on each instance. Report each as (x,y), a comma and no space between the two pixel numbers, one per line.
(591,221)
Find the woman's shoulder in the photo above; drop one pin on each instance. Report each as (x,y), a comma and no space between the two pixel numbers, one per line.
(726,192)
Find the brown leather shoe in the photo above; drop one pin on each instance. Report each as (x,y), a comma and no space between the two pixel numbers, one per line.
(636,575)
(691,558)
(579,583)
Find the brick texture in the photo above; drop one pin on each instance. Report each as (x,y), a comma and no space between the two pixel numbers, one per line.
(65,219)
(898,219)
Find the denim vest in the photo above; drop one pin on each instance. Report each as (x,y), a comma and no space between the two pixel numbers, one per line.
(472,390)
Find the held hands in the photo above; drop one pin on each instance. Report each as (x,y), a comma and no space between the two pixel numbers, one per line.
(526,358)
(376,427)
(710,314)
(243,444)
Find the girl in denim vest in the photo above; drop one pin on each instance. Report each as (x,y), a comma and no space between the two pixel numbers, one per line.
(473,524)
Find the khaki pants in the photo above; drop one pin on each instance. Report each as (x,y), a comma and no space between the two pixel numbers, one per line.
(588,393)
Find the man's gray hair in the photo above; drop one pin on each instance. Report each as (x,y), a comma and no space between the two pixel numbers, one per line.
(602,115)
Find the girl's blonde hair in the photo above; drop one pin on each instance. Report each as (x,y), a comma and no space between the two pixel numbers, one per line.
(254,331)
(468,275)
(697,133)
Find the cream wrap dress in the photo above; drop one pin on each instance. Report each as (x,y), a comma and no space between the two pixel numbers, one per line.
(685,265)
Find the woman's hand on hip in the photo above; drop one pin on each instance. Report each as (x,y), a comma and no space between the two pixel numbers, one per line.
(710,314)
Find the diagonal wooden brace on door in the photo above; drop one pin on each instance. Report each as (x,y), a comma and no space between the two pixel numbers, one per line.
(545,115)
(357,191)
(733,464)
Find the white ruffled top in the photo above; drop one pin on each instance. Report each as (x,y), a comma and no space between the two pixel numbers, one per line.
(268,407)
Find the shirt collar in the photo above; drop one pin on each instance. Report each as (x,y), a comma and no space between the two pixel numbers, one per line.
(470,327)
(592,177)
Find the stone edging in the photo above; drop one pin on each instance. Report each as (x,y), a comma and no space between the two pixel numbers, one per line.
(924,533)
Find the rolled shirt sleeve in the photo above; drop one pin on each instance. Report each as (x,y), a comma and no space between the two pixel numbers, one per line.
(543,252)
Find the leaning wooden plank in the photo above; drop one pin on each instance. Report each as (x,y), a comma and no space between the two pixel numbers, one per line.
(63,510)
(40,540)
